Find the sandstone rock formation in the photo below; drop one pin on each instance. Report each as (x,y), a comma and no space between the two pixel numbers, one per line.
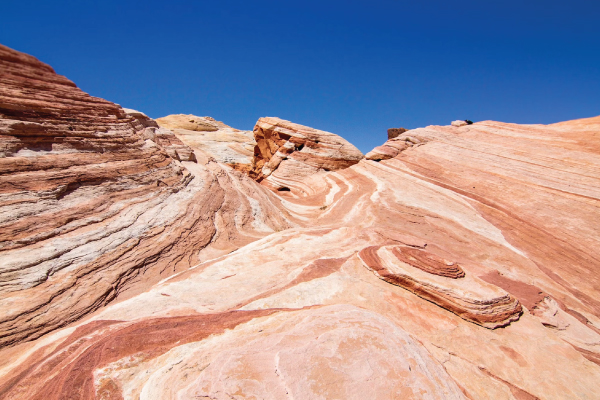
(94,201)
(225,144)
(189,123)
(395,132)
(286,152)
(464,265)
(433,278)
(165,138)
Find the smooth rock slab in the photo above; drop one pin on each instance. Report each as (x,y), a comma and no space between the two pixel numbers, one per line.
(333,352)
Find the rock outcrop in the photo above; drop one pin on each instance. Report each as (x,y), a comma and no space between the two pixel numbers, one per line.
(190,123)
(95,202)
(165,138)
(225,144)
(435,279)
(458,123)
(395,132)
(460,263)
(286,152)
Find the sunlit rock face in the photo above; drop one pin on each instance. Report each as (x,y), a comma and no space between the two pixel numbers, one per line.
(286,152)
(227,145)
(464,265)
(96,200)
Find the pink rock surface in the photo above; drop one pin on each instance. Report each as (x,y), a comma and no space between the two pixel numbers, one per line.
(434,279)
(95,203)
(382,153)
(158,278)
(286,152)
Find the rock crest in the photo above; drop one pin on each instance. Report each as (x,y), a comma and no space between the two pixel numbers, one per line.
(286,152)
(227,145)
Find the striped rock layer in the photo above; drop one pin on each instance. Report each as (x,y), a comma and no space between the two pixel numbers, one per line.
(423,274)
(153,277)
(287,152)
(95,199)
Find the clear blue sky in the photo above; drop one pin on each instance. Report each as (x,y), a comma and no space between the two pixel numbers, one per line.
(354,68)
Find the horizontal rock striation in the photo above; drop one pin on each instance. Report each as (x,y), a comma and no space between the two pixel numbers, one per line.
(430,278)
(286,152)
(428,262)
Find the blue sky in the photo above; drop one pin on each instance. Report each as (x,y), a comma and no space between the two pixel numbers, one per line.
(354,68)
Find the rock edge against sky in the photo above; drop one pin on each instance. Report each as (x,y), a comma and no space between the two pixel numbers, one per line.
(183,258)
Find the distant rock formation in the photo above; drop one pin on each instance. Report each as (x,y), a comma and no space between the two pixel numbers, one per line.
(189,123)
(286,152)
(227,145)
(459,123)
(163,137)
(450,263)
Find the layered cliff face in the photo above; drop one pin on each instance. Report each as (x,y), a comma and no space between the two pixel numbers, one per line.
(94,201)
(461,263)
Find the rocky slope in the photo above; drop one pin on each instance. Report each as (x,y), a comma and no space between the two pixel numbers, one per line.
(96,200)
(462,264)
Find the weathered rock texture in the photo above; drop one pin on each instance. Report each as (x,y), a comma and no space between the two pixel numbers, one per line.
(225,144)
(94,200)
(465,266)
(395,132)
(434,279)
(286,152)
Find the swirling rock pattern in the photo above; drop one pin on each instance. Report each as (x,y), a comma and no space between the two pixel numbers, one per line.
(433,279)
(94,201)
(128,272)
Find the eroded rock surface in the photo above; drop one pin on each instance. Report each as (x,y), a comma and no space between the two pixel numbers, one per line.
(436,280)
(462,265)
(225,144)
(286,152)
(94,201)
